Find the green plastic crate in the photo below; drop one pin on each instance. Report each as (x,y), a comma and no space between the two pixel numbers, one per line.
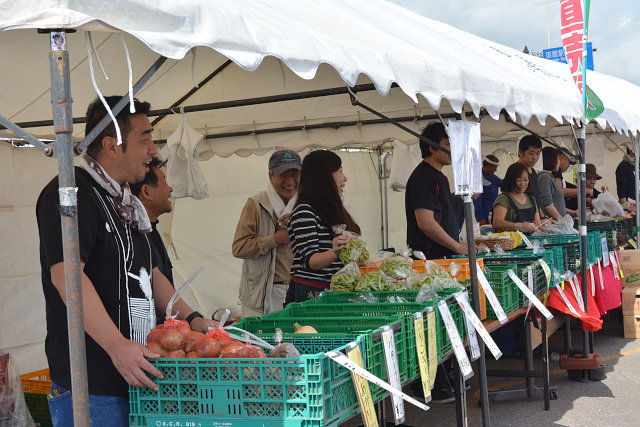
(370,327)
(311,390)
(39,408)
(539,282)
(570,246)
(594,247)
(506,290)
(523,259)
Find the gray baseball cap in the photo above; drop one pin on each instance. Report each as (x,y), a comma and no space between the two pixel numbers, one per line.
(283,160)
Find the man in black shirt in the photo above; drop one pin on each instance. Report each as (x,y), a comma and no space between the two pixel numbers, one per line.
(122,288)
(154,192)
(433,213)
(626,178)
(529,149)
(569,190)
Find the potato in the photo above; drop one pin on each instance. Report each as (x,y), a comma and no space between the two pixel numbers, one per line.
(156,348)
(191,340)
(176,353)
(173,339)
(208,347)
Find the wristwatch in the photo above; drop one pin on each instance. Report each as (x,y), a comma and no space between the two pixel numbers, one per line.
(192,316)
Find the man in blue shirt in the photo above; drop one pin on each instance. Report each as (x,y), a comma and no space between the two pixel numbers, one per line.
(490,187)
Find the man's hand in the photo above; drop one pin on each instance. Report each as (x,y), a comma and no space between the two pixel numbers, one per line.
(129,359)
(281,237)
(203,325)
(463,248)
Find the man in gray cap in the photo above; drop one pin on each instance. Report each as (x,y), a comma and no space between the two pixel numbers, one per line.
(262,239)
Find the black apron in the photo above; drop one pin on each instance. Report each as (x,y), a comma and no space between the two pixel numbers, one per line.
(524,215)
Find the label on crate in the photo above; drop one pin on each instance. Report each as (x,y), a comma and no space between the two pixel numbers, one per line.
(526,240)
(491,296)
(471,330)
(612,258)
(600,271)
(456,342)
(359,372)
(547,271)
(363,391)
(433,346)
(546,313)
(394,374)
(566,301)
(593,282)
(576,292)
(605,252)
(530,285)
(477,325)
(616,253)
(423,358)
(633,243)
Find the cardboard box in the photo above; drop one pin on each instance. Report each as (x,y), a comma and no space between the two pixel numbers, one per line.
(631,326)
(630,262)
(631,300)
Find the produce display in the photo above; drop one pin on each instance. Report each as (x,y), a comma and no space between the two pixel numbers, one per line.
(175,339)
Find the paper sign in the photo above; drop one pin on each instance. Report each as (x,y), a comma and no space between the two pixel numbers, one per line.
(633,244)
(491,296)
(547,271)
(355,368)
(530,285)
(476,324)
(605,252)
(617,264)
(526,240)
(423,358)
(471,330)
(433,346)
(593,282)
(600,271)
(363,391)
(466,158)
(568,304)
(612,258)
(394,374)
(527,293)
(456,342)
(577,293)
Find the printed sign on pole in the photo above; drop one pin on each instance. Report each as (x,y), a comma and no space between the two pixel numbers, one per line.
(466,158)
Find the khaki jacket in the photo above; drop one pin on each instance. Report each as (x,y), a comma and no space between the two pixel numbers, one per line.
(254,243)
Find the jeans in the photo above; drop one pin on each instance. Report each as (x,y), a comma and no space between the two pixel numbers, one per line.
(105,411)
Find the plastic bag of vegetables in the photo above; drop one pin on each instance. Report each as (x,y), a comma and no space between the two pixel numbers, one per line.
(355,250)
(397,267)
(375,281)
(345,279)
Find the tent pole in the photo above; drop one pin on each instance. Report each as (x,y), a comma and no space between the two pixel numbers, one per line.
(582,206)
(63,127)
(636,151)
(475,293)
(385,188)
(382,197)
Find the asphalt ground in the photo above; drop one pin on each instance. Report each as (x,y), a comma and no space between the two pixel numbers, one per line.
(614,401)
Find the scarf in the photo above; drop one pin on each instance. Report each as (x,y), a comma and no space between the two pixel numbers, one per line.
(130,209)
(278,204)
(627,158)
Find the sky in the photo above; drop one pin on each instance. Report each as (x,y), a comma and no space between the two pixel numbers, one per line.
(614,27)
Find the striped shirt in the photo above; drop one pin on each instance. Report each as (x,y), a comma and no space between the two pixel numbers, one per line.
(310,235)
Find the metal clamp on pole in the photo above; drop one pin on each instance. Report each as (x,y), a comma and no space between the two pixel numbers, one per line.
(356,103)
(68,201)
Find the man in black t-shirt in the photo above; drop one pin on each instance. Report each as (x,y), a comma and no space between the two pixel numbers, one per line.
(122,288)
(433,213)
(529,149)
(569,190)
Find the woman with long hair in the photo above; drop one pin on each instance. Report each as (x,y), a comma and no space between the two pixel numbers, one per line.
(318,209)
(514,209)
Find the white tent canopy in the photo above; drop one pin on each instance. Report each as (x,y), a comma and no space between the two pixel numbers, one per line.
(277,48)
